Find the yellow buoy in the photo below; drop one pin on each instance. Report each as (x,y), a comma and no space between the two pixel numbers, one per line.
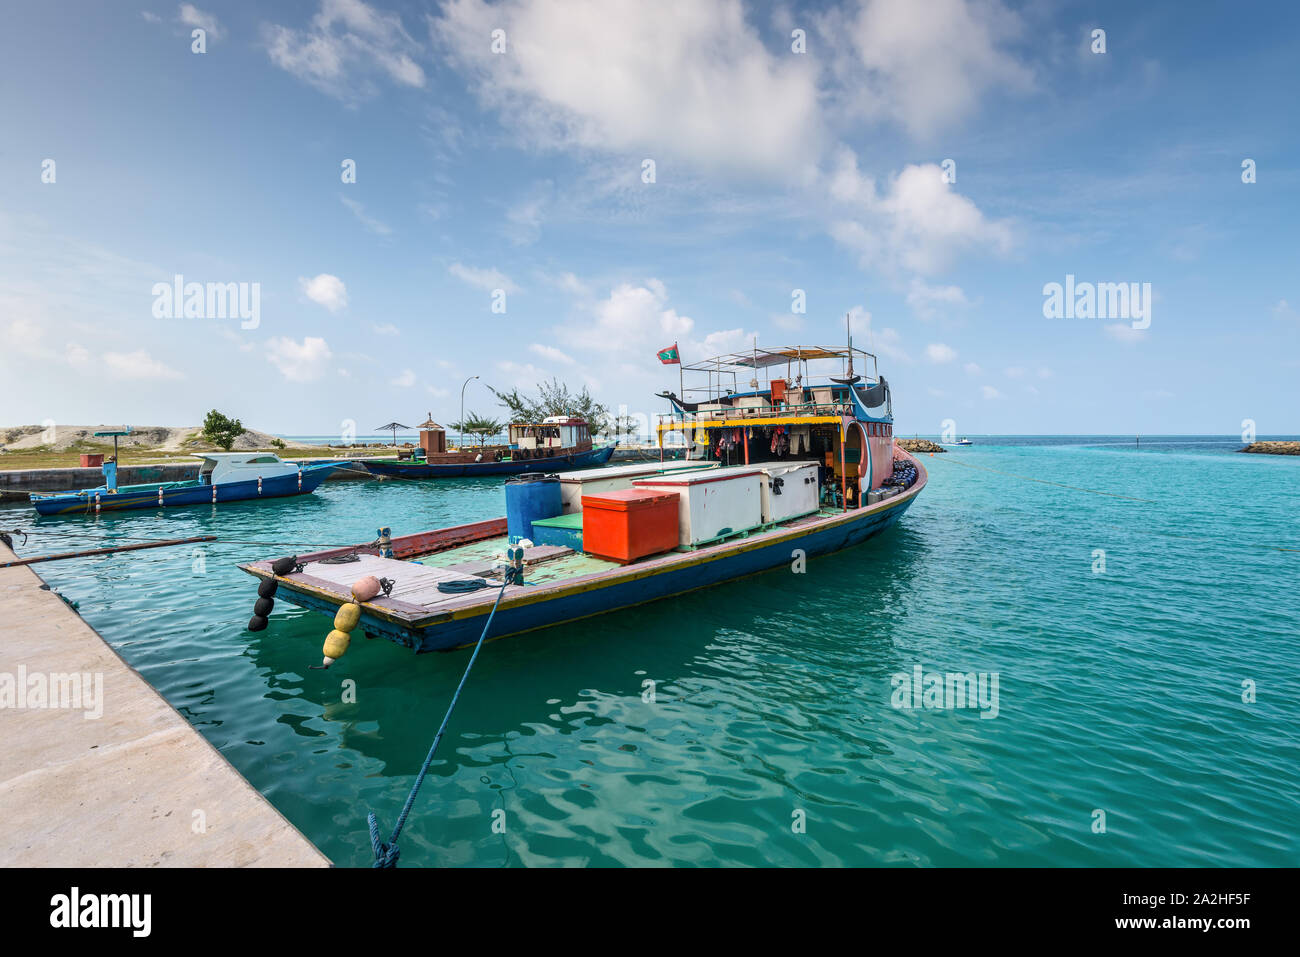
(347,617)
(336,646)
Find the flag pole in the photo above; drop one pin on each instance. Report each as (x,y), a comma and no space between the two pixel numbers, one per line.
(681,377)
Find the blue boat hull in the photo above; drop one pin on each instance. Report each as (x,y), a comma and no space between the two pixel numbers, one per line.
(511,620)
(173,494)
(696,570)
(425,470)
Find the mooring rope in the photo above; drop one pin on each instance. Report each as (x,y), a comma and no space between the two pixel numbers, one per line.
(386,854)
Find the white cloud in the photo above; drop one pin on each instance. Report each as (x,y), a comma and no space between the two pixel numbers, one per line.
(701,90)
(939,352)
(192,16)
(972,368)
(385,329)
(343,46)
(78,356)
(525,217)
(922,65)
(919,223)
(489,279)
(303,361)
(550,352)
(369,222)
(150,17)
(325,290)
(884,342)
(1014,372)
(676,80)
(405,379)
(631,317)
(990,393)
(135,365)
(927,300)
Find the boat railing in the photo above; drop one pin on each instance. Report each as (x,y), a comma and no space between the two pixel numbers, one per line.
(755,413)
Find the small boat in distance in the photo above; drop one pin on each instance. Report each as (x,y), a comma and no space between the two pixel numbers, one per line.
(558,442)
(223,477)
(964,441)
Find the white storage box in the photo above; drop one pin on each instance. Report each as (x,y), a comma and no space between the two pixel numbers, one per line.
(789,490)
(713,504)
(575,484)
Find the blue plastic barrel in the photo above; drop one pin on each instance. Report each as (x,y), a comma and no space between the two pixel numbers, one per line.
(529,497)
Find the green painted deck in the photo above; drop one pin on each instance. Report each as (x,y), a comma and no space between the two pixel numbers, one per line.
(572,520)
(570,564)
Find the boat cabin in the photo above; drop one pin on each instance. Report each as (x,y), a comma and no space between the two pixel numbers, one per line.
(553,433)
(797,403)
(219,468)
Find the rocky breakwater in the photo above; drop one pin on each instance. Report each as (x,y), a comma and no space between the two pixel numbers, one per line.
(1273,448)
(919,445)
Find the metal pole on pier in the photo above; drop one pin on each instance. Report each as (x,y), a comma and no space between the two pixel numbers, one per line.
(460,438)
(107,551)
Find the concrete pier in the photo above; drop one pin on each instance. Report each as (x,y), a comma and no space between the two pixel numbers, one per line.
(136,787)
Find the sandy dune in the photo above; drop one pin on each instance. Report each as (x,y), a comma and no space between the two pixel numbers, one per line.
(159,438)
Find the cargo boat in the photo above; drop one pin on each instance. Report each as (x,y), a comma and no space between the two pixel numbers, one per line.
(845,482)
(557,442)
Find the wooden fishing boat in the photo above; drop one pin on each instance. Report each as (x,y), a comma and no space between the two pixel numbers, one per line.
(839,483)
(560,584)
(223,477)
(556,443)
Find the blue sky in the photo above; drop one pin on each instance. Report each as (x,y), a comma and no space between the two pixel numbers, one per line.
(775,171)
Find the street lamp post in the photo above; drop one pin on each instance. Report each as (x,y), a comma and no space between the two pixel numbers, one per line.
(461,440)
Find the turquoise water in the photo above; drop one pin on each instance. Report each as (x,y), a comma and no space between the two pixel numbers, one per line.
(1118,691)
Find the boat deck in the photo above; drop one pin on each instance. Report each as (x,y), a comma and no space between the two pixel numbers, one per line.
(416,578)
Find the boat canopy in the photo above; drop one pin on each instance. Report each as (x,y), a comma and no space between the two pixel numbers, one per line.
(219,468)
(728,379)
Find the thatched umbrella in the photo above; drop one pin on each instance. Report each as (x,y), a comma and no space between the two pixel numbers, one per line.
(393,427)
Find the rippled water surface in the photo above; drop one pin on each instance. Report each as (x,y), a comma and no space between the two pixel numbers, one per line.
(1119,691)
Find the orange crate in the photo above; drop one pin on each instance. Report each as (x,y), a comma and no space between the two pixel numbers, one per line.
(628,524)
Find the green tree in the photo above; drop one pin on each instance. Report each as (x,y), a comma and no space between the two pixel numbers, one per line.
(554,398)
(479,425)
(220,430)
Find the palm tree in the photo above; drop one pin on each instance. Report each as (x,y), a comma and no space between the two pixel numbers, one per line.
(482,426)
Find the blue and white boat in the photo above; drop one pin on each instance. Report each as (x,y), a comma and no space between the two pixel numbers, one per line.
(223,477)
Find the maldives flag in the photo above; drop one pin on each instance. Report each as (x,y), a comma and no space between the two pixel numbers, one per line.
(669,356)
